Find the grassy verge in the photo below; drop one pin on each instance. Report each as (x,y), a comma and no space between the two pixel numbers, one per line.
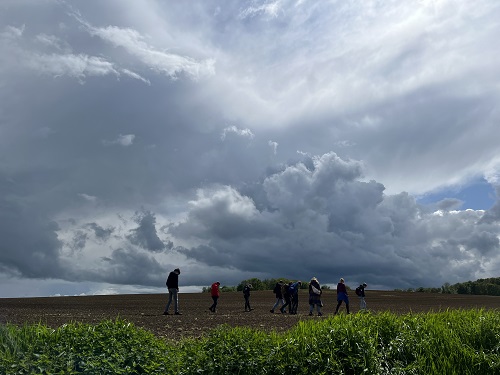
(453,342)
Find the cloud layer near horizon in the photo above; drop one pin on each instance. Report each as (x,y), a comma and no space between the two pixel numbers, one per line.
(277,139)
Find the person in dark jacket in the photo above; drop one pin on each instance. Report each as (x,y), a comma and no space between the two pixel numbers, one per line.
(342,296)
(278,291)
(246,295)
(315,296)
(360,291)
(294,294)
(173,290)
(286,297)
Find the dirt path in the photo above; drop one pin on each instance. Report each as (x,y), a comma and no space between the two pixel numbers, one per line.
(145,310)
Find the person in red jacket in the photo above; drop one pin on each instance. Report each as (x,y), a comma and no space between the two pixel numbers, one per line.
(215,292)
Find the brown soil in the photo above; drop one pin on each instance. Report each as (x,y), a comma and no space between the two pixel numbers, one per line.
(145,310)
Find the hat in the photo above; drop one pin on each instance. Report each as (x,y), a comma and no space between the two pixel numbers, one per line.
(178,271)
(341,279)
(364,284)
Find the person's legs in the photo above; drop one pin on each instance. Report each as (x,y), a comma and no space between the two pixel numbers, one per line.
(174,295)
(216,299)
(363,303)
(214,304)
(169,301)
(339,302)
(287,303)
(247,304)
(311,308)
(278,301)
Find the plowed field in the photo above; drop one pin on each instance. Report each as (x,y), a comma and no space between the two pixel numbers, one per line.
(145,310)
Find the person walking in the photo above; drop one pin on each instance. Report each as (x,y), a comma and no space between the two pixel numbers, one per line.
(215,293)
(360,292)
(342,296)
(315,296)
(294,294)
(287,297)
(278,291)
(173,290)
(246,295)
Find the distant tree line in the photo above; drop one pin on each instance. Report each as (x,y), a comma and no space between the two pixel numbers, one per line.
(257,284)
(488,287)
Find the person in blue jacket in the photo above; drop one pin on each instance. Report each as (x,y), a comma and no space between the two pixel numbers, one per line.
(294,294)
(342,296)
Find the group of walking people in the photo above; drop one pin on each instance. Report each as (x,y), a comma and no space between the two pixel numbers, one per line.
(287,295)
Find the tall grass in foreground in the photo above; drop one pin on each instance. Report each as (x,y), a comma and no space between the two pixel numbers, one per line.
(453,342)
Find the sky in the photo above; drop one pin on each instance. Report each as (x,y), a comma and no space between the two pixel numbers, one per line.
(268,139)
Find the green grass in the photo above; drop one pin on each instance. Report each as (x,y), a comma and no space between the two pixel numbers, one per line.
(453,342)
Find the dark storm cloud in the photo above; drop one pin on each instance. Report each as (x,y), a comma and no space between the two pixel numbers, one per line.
(145,235)
(129,267)
(100,232)
(79,240)
(29,245)
(449,204)
(492,216)
(328,222)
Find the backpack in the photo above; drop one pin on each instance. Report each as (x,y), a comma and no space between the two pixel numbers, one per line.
(358,291)
(277,288)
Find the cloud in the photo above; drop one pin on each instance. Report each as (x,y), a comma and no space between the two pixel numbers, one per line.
(136,76)
(133,42)
(122,140)
(100,232)
(145,235)
(270,9)
(326,219)
(246,133)
(274,146)
(137,138)
(126,266)
(88,197)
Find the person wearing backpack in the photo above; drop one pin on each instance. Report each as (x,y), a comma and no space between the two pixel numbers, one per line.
(246,295)
(278,291)
(342,296)
(360,292)
(294,294)
(287,298)
(315,296)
